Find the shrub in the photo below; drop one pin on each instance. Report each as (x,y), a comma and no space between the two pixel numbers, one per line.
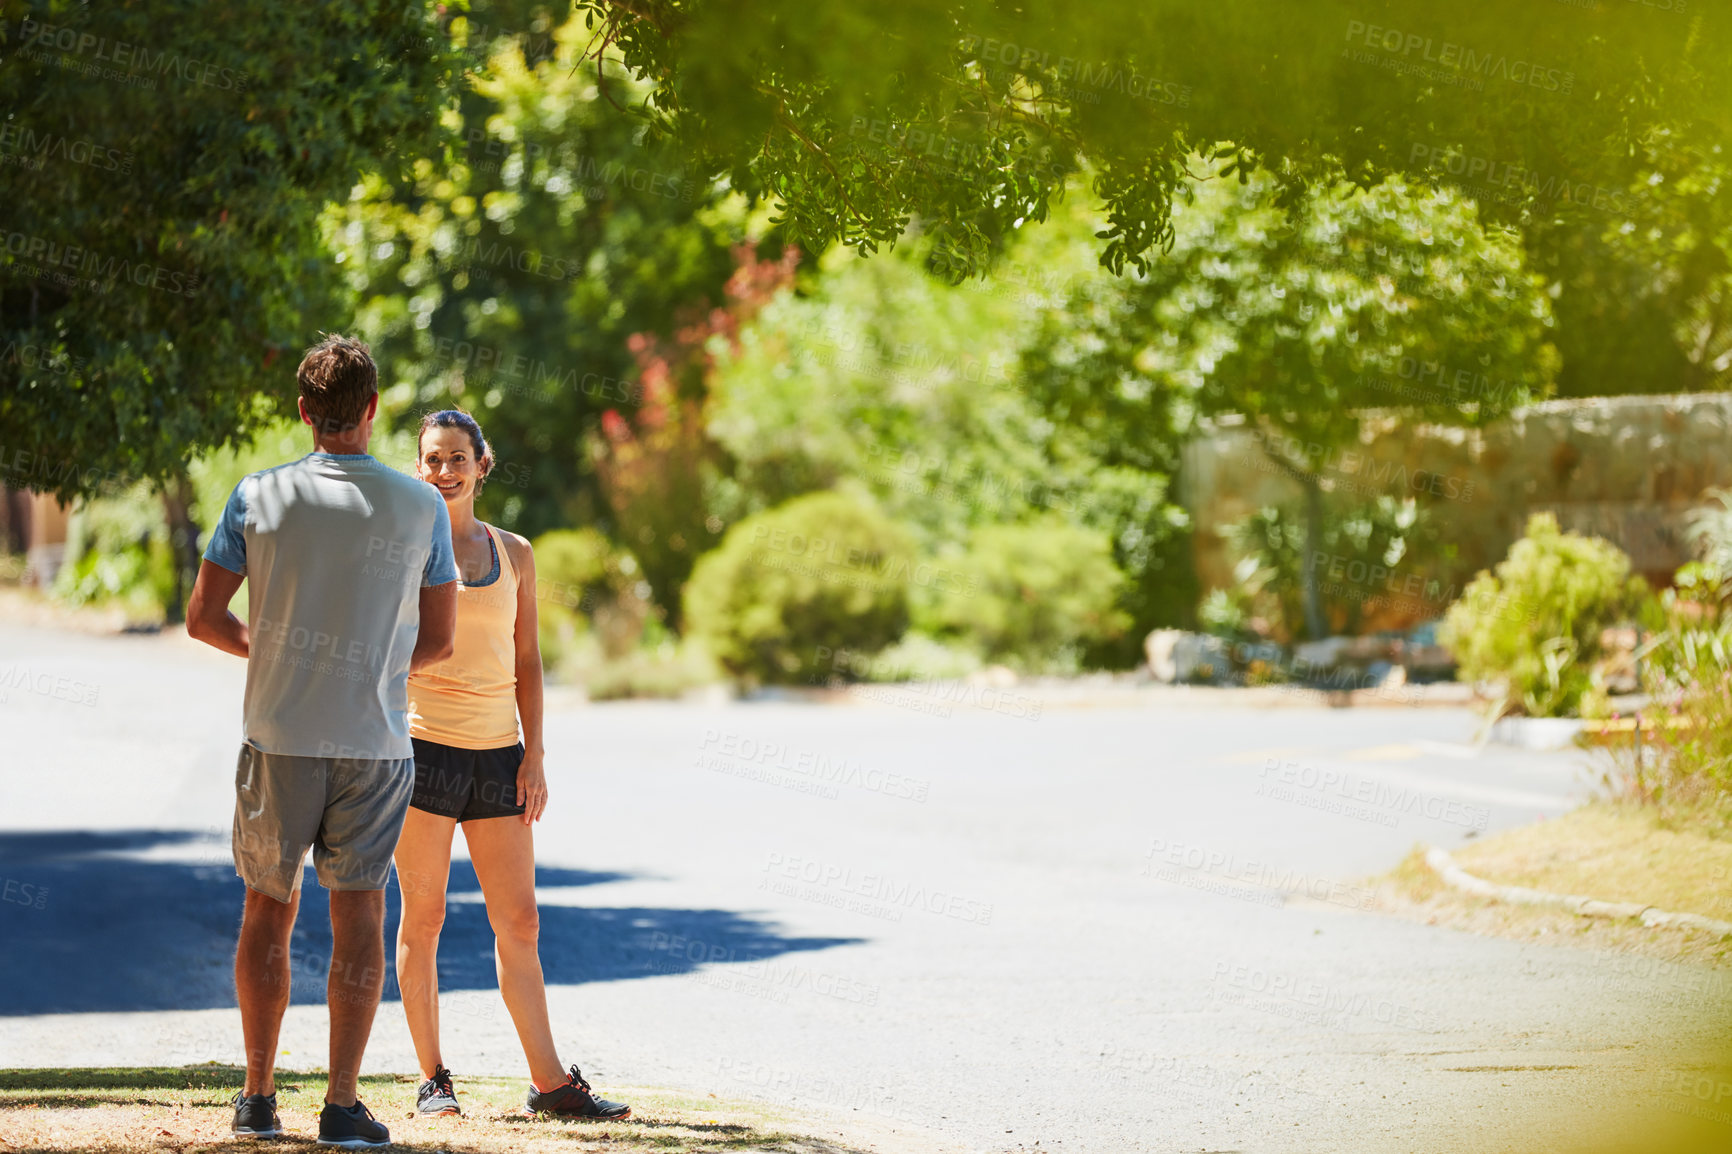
(585,583)
(1710,533)
(1030,595)
(667,669)
(824,572)
(915,657)
(1681,764)
(1228,614)
(1532,629)
(118,554)
(1367,541)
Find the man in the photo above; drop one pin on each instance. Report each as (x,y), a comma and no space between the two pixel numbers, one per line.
(351,585)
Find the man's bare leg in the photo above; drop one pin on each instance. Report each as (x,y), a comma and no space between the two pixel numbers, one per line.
(262,967)
(357,979)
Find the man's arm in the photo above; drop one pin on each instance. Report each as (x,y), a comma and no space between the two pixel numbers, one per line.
(437,636)
(207,611)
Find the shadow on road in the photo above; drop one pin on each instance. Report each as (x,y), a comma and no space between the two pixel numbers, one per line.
(119,921)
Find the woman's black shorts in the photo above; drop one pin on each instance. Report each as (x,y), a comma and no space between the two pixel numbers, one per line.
(466,783)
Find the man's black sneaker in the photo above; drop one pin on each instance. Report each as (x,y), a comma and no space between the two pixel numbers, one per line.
(437,1096)
(573,1099)
(256,1116)
(351,1126)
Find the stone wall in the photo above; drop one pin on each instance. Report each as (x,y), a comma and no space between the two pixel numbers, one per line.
(1629,469)
(34,524)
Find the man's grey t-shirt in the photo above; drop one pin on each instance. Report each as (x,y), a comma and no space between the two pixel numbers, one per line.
(335,549)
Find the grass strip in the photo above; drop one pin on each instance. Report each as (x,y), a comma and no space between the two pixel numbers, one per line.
(131,1110)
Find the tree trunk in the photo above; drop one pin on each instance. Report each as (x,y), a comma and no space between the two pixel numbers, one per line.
(1315,623)
(183,532)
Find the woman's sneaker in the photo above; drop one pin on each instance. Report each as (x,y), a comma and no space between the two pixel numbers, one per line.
(437,1096)
(256,1116)
(352,1126)
(573,1099)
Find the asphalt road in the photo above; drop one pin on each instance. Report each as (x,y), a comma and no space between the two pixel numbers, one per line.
(1085,929)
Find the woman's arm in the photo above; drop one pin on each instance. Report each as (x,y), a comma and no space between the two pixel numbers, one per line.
(531,777)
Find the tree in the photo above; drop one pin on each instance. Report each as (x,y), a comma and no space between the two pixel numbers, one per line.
(854,118)
(167,166)
(1646,300)
(851,120)
(1298,317)
(873,374)
(656,467)
(516,279)
(1637,256)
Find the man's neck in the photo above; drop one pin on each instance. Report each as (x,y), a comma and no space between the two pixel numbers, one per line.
(341,446)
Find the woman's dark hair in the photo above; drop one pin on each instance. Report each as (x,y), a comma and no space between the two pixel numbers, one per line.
(458,419)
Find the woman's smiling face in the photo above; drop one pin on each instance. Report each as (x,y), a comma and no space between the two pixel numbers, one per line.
(447,462)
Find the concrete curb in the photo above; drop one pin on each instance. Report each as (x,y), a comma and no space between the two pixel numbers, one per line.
(1541,734)
(1457,878)
(1095,692)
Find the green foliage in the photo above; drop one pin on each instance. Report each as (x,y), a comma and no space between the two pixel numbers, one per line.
(655,469)
(1228,613)
(1359,554)
(667,669)
(1150,534)
(519,220)
(1682,767)
(874,373)
(1300,313)
(587,587)
(822,573)
(578,563)
(1710,534)
(854,118)
(1030,595)
(1297,310)
(138,577)
(599,628)
(164,266)
(539,219)
(916,656)
(1533,626)
(511,275)
(1639,261)
(117,553)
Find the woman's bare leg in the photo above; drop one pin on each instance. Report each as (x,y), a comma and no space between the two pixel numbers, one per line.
(503,852)
(423,868)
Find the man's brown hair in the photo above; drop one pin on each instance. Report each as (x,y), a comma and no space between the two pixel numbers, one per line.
(337,378)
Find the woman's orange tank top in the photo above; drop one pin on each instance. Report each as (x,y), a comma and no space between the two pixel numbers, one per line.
(469,700)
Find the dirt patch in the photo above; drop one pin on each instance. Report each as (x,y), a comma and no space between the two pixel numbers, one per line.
(1413,891)
(133,1111)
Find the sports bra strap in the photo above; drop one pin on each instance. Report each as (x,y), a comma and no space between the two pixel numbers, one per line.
(505,565)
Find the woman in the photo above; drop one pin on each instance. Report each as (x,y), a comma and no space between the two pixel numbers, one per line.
(471,769)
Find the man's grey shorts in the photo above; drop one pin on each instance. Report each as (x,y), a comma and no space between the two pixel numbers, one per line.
(349,811)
